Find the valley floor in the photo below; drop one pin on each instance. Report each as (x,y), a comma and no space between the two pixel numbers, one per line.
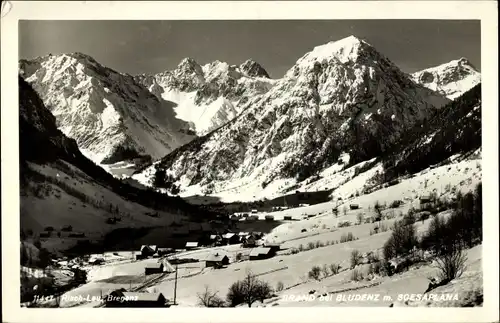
(318,226)
(291,270)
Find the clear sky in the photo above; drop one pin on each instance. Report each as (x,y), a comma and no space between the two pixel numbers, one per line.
(154,46)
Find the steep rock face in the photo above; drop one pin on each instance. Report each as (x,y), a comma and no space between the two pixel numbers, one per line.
(110,115)
(208,96)
(39,138)
(343,96)
(252,68)
(453,130)
(451,79)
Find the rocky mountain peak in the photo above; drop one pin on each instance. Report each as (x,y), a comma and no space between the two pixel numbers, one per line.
(189,65)
(208,96)
(106,112)
(341,98)
(219,71)
(254,69)
(452,79)
(342,54)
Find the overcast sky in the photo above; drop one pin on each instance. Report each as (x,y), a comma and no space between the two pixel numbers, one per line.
(154,46)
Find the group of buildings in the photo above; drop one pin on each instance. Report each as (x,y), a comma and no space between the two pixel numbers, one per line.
(153,251)
(216,259)
(226,237)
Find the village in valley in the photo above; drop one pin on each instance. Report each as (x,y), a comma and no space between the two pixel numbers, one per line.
(228,248)
(345,179)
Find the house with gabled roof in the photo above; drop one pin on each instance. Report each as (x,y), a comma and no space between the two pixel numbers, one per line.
(155,268)
(249,241)
(230,238)
(261,253)
(148,250)
(274,246)
(216,259)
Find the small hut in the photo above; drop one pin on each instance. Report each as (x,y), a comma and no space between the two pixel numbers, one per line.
(147,251)
(354,206)
(230,238)
(249,241)
(260,253)
(156,268)
(191,245)
(216,259)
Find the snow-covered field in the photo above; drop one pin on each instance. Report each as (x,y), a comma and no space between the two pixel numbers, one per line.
(290,269)
(323,229)
(315,225)
(60,208)
(461,176)
(345,183)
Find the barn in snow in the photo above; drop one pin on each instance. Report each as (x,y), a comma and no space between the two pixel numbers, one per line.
(261,253)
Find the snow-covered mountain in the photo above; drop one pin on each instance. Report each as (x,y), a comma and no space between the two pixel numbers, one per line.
(450,79)
(208,96)
(60,186)
(343,102)
(110,115)
(454,130)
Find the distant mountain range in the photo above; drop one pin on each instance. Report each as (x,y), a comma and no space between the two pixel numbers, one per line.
(343,98)
(60,187)
(110,115)
(208,96)
(230,130)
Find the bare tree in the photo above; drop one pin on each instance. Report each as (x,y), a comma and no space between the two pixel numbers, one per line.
(263,291)
(359,218)
(325,270)
(315,272)
(334,268)
(451,264)
(378,209)
(209,298)
(280,286)
(355,258)
(248,290)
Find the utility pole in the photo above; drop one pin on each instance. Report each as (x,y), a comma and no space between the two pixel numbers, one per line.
(175,285)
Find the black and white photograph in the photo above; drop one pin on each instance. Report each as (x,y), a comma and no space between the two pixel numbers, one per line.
(251,163)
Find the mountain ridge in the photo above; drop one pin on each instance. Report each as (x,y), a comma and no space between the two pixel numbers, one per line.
(208,96)
(60,186)
(338,98)
(109,114)
(452,79)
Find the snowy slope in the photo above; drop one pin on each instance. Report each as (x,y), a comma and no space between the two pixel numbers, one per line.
(59,186)
(208,96)
(343,97)
(453,130)
(292,268)
(111,116)
(451,79)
